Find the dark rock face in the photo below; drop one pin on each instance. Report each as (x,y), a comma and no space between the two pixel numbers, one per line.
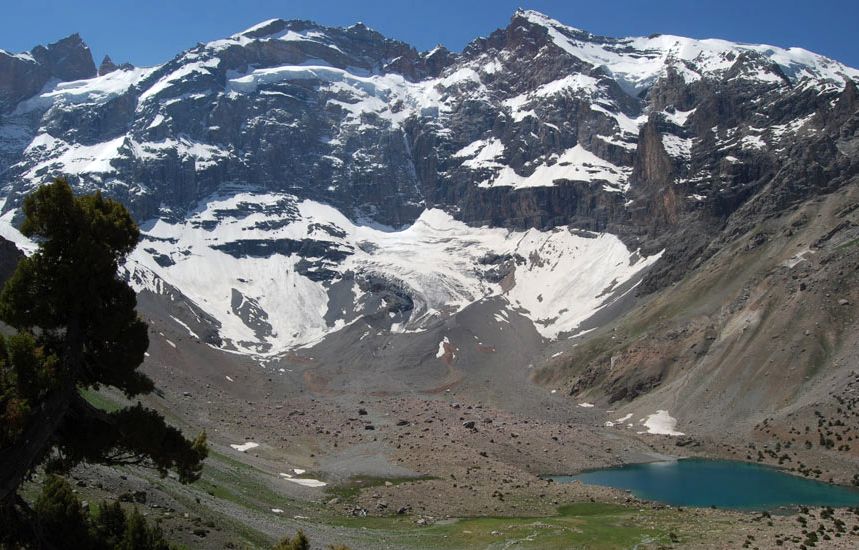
(68,59)
(347,117)
(23,75)
(263,248)
(251,314)
(108,66)
(9,258)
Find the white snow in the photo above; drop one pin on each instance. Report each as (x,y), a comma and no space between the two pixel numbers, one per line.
(307,482)
(586,405)
(619,143)
(781,130)
(797,258)
(369,93)
(619,421)
(96,90)
(9,232)
(204,155)
(637,62)
(753,142)
(577,164)
(566,278)
(288,35)
(661,423)
(676,146)
(25,56)
(576,84)
(628,125)
(441,351)
(51,156)
(186,327)
(245,446)
(679,117)
(482,154)
(184,71)
(463,74)
(157,121)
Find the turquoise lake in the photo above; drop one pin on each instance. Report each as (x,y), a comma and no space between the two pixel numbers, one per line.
(720,483)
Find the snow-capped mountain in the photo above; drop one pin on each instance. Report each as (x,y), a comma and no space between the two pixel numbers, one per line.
(294,179)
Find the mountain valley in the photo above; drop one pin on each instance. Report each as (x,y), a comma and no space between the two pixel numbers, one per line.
(397,288)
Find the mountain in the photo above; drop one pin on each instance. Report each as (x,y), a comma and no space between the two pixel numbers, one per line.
(611,212)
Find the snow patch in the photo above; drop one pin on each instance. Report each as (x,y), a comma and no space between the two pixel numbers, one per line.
(184,71)
(576,164)
(483,154)
(753,142)
(9,232)
(247,446)
(50,156)
(441,351)
(661,423)
(307,482)
(676,146)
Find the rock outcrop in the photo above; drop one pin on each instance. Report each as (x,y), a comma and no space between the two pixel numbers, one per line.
(24,75)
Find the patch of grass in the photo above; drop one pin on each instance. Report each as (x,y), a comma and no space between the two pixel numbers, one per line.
(582,525)
(583,509)
(233,484)
(349,491)
(849,244)
(251,537)
(100,400)
(228,479)
(821,352)
(579,358)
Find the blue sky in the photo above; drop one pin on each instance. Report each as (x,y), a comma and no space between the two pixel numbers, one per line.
(151,32)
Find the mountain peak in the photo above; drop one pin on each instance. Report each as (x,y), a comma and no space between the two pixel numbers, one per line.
(107,66)
(24,74)
(264,28)
(542,20)
(67,59)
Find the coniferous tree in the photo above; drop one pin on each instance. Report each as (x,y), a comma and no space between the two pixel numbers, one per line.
(61,522)
(109,524)
(61,519)
(77,329)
